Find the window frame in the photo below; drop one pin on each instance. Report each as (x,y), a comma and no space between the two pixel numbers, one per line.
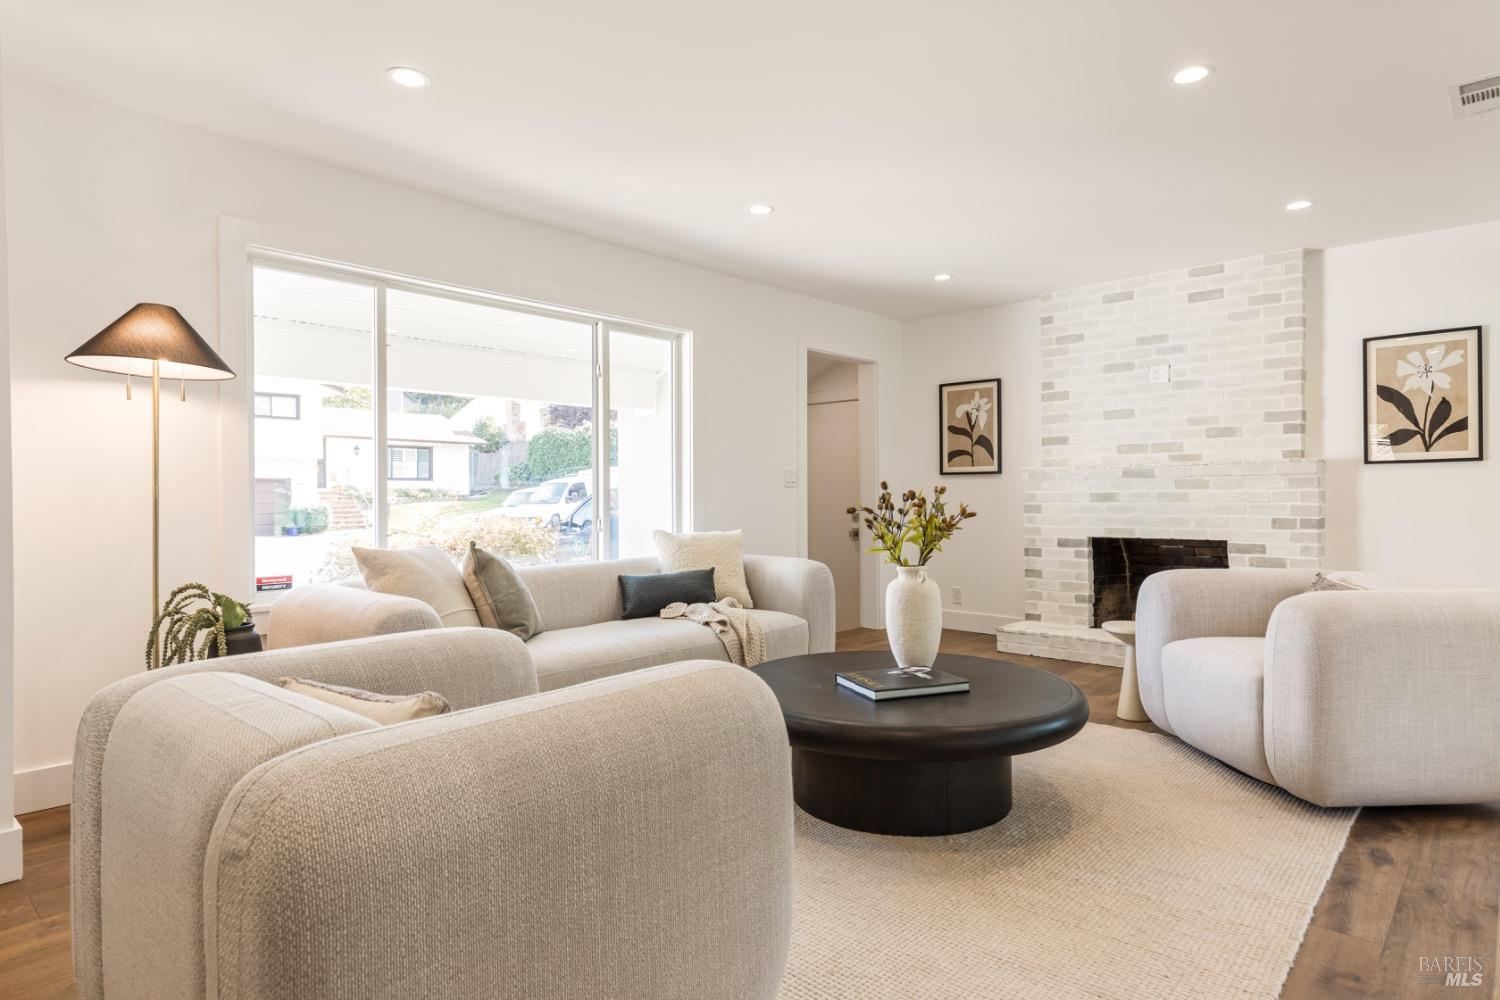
(602,325)
(271,398)
(390,462)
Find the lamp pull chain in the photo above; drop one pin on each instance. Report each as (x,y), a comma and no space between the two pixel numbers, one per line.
(127,387)
(182,390)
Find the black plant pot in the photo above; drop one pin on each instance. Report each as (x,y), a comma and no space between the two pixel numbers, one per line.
(240,640)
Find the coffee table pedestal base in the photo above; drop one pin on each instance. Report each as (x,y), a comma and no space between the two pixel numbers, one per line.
(902,798)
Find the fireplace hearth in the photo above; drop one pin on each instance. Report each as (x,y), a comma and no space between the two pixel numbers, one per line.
(1120,565)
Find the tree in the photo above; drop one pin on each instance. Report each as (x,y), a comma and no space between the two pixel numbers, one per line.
(491,433)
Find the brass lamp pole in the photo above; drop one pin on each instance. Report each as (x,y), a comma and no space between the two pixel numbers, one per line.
(153,340)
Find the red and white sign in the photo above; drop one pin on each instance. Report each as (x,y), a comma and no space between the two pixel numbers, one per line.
(273,583)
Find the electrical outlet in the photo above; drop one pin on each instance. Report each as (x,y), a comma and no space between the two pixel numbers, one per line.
(789,478)
(958,597)
(1161,373)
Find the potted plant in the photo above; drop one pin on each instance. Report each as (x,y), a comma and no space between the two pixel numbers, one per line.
(196,623)
(913,601)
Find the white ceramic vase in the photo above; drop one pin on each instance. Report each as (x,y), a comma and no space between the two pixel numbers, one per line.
(913,617)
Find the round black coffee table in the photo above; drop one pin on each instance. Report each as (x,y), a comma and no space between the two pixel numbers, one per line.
(916,767)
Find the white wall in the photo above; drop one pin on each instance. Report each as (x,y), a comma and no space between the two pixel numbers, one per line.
(110,208)
(984,558)
(1417,522)
(1421,521)
(10,832)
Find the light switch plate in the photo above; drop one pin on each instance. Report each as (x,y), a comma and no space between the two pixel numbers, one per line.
(789,478)
(1161,373)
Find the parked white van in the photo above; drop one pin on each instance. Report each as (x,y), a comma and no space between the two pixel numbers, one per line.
(552,501)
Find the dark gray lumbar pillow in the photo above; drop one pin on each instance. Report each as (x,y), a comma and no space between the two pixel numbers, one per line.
(500,595)
(644,596)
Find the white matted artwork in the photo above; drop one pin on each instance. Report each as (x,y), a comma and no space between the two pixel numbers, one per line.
(969,427)
(1423,397)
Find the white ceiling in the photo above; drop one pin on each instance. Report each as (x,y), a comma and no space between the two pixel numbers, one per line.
(1020,146)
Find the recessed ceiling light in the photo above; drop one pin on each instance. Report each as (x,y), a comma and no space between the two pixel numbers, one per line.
(1298,205)
(762,209)
(407,77)
(1192,74)
(942,277)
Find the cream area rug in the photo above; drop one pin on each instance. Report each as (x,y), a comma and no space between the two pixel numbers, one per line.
(1130,866)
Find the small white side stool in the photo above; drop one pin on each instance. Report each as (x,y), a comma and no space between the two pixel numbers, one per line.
(1130,689)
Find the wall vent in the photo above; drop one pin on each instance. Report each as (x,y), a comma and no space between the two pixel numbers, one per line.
(1476,97)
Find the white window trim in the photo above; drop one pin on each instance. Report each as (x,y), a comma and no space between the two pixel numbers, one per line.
(243,245)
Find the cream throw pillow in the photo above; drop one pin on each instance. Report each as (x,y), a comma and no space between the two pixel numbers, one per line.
(384,709)
(425,573)
(721,551)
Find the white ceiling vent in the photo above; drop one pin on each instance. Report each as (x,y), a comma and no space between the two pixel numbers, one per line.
(1476,97)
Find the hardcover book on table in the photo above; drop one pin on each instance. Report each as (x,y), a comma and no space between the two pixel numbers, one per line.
(882,685)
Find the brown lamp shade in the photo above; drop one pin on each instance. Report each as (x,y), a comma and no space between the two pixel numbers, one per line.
(147,333)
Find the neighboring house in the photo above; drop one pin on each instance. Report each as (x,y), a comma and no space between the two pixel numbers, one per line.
(305,450)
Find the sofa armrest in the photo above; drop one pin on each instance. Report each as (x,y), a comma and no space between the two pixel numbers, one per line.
(468,666)
(1200,603)
(177,749)
(627,837)
(1385,697)
(328,613)
(798,587)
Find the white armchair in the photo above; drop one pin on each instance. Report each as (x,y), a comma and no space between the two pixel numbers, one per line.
(1377,697)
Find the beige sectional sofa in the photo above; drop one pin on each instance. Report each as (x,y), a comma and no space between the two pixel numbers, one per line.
(626,837)
(1383,696)
(583,636)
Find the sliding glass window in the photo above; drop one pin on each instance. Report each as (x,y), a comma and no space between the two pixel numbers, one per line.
(489,429)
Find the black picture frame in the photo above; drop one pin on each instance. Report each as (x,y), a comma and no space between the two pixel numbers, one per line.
(993,438)
(1476,411)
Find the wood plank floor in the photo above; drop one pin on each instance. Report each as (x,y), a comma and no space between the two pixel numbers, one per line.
(1410,883)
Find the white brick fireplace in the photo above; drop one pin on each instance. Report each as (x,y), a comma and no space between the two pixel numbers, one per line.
(1172,407)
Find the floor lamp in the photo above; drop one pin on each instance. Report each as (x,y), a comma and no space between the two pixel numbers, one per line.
(153,341)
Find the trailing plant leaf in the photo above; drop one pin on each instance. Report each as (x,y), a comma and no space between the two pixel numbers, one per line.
(1461,424)
(1400,402)
(1439,417)
(183,632)
(983,441)
(1400,436)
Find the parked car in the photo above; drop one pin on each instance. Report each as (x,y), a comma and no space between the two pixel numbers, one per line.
(580,523)
(552,501)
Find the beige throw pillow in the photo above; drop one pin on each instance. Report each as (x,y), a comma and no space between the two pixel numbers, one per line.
(500,595)
(425,573)
(1335,580)
(721,551)
(385,709)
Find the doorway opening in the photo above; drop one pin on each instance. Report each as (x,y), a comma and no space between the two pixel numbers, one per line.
(840,451)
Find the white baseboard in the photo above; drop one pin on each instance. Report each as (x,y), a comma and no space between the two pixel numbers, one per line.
(44,787)
(10,850)
(974,621)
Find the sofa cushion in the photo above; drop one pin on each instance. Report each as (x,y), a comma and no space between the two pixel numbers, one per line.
(381,709)
(645,595)
(425,573)
(1213,691)
(582,593)
(721,551)
(569,656)
(500,595)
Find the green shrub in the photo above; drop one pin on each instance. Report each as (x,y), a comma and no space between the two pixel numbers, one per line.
(308,520)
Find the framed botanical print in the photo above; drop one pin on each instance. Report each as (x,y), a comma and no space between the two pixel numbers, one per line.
(1424,397)
(969,428)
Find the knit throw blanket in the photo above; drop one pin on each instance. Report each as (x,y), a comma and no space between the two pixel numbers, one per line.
(742,636)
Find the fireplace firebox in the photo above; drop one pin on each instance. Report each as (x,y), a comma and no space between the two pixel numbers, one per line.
(1121,564)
